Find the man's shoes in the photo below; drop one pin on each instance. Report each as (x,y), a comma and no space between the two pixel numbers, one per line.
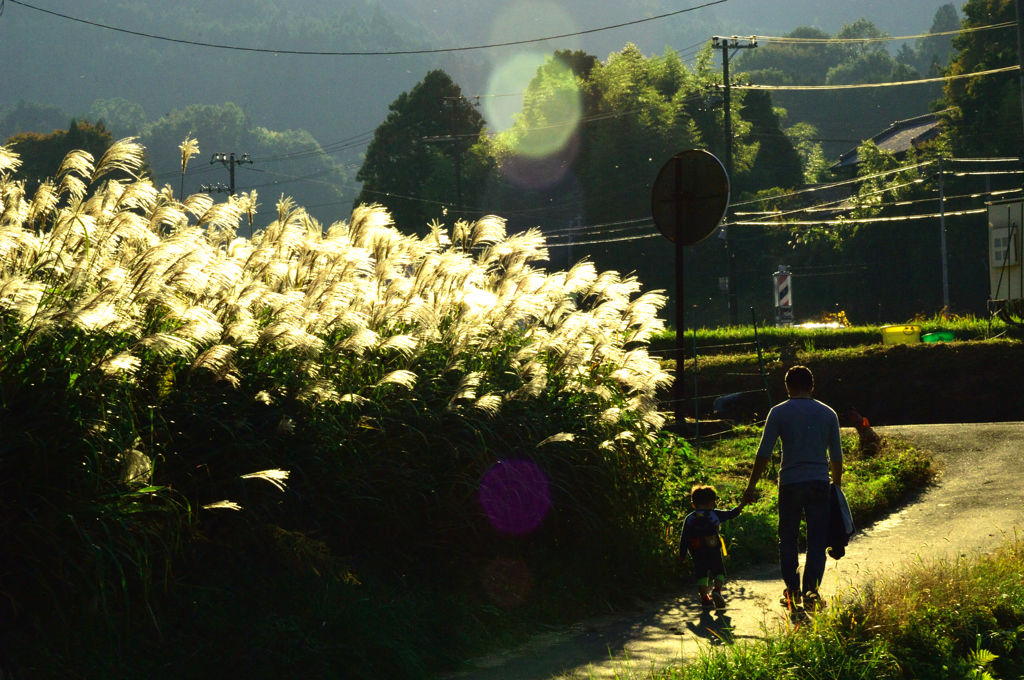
(790,601)
(813,602)
(719,601)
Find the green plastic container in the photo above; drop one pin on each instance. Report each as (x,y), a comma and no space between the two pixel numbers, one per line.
(938,336)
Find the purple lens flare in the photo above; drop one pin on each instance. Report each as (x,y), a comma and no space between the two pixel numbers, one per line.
(516,496)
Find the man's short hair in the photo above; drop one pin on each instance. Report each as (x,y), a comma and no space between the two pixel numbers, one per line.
(702,495)
(800,378)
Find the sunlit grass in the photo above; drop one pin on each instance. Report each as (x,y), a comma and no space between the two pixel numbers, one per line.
(174,394)
(873,484)
(961,618)
(718,339)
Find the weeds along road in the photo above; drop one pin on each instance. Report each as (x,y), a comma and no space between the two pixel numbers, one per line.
(976,502)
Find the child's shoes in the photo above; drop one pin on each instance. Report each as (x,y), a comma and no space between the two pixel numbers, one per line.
(719,601)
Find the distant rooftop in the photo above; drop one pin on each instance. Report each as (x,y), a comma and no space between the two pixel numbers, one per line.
(898,138)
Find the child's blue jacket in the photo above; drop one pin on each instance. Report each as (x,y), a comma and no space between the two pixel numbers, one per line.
(701,524)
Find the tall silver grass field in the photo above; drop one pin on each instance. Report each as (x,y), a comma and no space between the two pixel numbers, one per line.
(169,275)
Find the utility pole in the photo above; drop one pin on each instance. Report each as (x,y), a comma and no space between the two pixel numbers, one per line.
(229,161)
(942,235)
(1020,49)
(726,44)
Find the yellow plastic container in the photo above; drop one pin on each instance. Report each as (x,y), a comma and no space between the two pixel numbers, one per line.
(901,335)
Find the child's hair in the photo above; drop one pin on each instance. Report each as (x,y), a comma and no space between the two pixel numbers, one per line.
(702,495)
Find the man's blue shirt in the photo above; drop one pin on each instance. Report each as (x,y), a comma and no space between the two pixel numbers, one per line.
(810,439)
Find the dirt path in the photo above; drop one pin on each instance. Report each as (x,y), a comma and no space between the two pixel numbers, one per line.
(977,501)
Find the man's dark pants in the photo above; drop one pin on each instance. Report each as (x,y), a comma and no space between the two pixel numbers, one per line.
(796,499)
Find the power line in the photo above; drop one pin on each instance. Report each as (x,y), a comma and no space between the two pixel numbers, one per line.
(597,231)
(864,220)
(823,205)
(984,172)
(683,54)
(986,160)
(815,208)
(823,187)
(610,240)
(587,227)
(819,206)
(813,41)
(363,54)
(862,86)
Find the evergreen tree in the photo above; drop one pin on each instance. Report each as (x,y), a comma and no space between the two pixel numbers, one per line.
(42,154)
(778,162)
(933,52)
(986,112)
(409,169)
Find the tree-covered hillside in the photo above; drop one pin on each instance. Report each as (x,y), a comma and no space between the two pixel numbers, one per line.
(841,119)
(70,65)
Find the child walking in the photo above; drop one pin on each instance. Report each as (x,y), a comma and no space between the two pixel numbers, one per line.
(700,538)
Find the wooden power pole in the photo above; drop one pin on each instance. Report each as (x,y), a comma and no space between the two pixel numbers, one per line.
(727,44)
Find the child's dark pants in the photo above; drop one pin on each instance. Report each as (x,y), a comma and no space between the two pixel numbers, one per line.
(707,565)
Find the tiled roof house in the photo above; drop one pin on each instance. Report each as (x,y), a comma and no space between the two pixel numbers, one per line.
(898,138)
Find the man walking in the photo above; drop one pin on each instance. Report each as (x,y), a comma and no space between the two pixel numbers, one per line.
(810,449)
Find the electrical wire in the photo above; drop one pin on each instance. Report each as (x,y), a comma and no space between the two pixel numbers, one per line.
(880,191)
(985,160)
(816,208)
(591,233)
(953,198)
(1000,172)
(582,229)
(586,227)
(364,54)
(611,240)
(823,205)
(681,53)
(812,41)
(862,86)
(865,220)
(823,187)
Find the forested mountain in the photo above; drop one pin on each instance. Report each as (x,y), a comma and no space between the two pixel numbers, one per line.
(844,118)
(61,63)
(71,65)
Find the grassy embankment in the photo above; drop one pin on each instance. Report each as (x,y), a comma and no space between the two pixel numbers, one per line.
(873,485)
(977,381)
(728,339)
(298,456)
(962,619)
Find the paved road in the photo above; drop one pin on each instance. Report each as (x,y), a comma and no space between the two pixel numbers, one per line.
(978,500)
